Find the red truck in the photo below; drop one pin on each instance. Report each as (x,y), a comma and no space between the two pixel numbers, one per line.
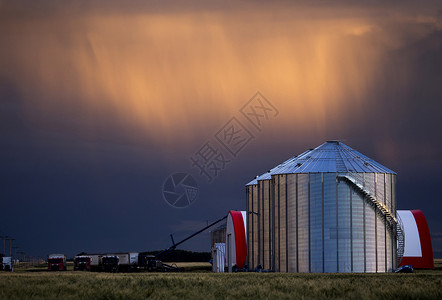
(57,262)
(82,263)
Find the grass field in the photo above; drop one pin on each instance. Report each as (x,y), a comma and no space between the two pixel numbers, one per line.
(199,283)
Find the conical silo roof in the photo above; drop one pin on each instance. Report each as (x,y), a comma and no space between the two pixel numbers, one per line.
(268,174)
(332,156)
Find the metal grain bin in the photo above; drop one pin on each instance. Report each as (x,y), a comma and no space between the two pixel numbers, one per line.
(260,226)
(331,209)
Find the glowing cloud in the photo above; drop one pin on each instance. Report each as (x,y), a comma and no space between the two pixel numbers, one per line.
(170,75)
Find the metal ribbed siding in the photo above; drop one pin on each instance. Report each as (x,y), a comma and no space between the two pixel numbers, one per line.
(280,219)
(329,227)
(252,225)
(309,221)
(264,223)
(249,208)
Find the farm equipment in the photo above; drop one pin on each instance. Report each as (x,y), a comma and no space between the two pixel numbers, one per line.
(154,262)
(126,261)
(151,263)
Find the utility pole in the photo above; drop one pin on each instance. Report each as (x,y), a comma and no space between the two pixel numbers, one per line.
(10,245)
(4,237)
(15,253)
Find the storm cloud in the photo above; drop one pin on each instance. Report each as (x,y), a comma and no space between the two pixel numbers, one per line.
(100,101)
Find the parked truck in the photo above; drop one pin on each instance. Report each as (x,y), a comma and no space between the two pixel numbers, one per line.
(82,263)
(147,261)
(130,261)
(110,263)
(6,263)
(151,263)
(124,262)
(56,262)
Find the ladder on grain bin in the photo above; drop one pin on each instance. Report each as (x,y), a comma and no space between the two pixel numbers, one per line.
(394,223)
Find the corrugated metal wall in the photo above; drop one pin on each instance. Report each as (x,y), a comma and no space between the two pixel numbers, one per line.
(313,222)
(252,226)
(218,236)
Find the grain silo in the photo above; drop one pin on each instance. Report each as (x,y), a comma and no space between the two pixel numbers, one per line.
(330,209)
(259,222)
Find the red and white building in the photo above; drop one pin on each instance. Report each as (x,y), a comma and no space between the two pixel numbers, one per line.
(236,242)
(418,250)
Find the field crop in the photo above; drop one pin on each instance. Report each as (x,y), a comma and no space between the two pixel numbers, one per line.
(198,283)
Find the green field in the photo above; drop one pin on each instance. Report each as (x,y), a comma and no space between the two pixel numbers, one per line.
(198,283)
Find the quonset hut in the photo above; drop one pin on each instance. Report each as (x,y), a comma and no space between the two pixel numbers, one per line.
(418,250)
(329,209)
